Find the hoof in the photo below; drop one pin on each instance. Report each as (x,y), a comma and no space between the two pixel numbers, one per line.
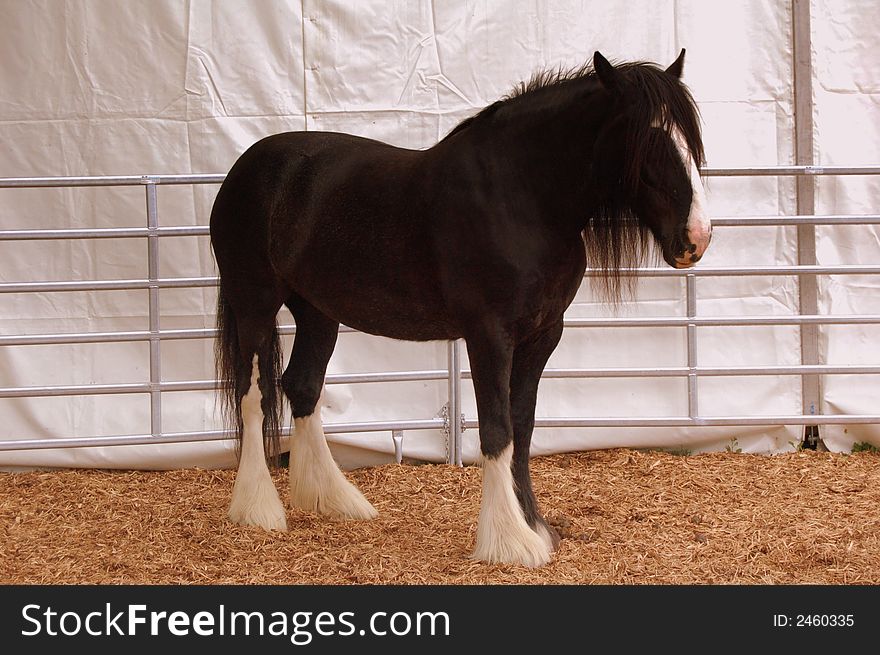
(525,547)
(268,514)
(548,534)
(334,497)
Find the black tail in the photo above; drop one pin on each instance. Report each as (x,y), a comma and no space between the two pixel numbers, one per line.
(233,370)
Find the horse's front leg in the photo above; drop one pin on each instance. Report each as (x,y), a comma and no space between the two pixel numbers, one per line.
(503,534)
(529,360)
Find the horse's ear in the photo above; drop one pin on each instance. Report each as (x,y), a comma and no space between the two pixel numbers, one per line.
(676,67)
(608,76)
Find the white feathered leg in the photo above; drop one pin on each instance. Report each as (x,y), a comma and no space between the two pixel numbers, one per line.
(316,483)
(255,499)
(502,532)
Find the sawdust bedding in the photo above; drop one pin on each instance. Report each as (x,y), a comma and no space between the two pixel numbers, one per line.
(626,517)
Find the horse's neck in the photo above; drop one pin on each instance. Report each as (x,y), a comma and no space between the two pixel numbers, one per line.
(553,153)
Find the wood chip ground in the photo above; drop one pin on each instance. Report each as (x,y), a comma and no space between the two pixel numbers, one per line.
(626,517)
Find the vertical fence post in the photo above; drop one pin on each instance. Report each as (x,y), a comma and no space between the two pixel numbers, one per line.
(808,289)
(453,360)
(153,276)
(691,294)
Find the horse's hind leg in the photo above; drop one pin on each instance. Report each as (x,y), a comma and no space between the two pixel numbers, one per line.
(255,499)
(529,360)
(503,532)
(316,483)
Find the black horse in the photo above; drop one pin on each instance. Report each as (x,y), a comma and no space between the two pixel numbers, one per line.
(484,236)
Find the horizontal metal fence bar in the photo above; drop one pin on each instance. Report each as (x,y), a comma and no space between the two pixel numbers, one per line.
(125,336)
(721,321)
(96,442)
(443,374)
(597,322)
(706,271)
(437,424)
(824,219)
(712,171)
(331,378)
(210,333)
(85,233)
(74,390)
(709,371)
(184,231)
(575,373)
(685,421)
(204,230)
(104,233)
(217,178)
(108,285)
(73,337)
(204,385)
(114,337)
(390,376)
(198,282)
(108,180)
(211,435)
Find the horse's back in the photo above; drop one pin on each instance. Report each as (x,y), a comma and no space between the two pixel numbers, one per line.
(279,161)
(282,187)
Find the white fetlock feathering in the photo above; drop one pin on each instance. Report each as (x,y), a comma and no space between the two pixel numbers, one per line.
(316,483)
(255,499)
(502,532)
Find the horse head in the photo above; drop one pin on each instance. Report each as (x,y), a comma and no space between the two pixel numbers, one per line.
(651,150)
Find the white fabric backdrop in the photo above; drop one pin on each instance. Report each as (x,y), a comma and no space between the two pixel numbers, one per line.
(98,87)
(847,114)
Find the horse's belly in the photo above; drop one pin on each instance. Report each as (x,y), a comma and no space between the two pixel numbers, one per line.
(403,327)
(403,315)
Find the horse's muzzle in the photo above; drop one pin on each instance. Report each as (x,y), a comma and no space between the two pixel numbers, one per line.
(699,239)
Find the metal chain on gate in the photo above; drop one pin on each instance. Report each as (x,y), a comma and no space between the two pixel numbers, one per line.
(447,427)
(447,430)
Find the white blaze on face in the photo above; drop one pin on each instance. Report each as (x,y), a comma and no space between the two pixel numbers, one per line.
(699,228)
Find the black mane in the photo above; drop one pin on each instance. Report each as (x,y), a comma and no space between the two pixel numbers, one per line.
(552,78)
(613,237)
(664,102)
